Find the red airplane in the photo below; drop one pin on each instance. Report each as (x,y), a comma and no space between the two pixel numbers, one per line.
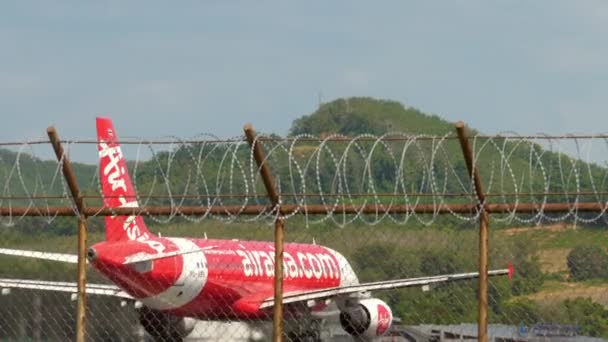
(176,281)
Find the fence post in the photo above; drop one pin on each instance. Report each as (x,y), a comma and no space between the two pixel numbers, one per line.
(482,327)
(279,228)
(70,177)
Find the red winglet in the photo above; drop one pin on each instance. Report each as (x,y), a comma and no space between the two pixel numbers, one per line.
(511,271)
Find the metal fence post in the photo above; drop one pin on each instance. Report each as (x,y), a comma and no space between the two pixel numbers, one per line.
(70,177)
(279,228)
(482,328)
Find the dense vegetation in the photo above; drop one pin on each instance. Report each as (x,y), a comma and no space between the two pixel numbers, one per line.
(588,262)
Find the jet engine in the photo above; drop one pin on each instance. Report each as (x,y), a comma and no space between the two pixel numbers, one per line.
(367,319)
(163,326)
(185,325)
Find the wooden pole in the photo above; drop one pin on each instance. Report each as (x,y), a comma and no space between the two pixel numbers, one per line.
(70,177)
(279,229)
(312,209)
(482,328)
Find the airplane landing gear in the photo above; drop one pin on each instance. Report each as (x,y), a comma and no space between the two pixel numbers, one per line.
(303,331)
(161,326)
(310,336)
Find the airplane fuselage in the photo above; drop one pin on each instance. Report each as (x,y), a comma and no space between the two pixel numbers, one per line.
(223,279)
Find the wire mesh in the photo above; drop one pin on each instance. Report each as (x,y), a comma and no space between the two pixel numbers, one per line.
(560,259)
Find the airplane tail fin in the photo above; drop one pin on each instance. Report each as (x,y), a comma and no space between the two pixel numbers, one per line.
(116,186)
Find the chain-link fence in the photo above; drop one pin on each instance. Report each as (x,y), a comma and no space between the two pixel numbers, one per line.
(371,222)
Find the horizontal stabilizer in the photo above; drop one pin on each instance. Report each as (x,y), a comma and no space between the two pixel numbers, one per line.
(62,257)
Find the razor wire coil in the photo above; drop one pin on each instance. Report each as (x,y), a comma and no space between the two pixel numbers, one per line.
(335,170)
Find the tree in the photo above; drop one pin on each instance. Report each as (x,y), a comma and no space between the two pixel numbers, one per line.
(588,262)
(439,262)
(521,311)
(591,317)
(384,260)
(528,277)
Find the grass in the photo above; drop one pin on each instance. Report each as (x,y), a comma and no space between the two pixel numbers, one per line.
(553,260)
(578,237)
(554,291)
(554,245)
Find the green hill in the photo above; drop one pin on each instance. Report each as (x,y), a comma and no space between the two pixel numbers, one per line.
(361,115)
(505,165)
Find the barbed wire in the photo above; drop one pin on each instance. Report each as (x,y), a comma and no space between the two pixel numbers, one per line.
(333,171)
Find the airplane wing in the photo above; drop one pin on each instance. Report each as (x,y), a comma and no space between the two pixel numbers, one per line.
(70,287)
(60,286)
(63,257)
(300,296)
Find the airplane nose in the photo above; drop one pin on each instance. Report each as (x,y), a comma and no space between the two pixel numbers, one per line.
(91,254)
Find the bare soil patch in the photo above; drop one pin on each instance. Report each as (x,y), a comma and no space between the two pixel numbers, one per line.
(554,259)
(598,293)
(550,228)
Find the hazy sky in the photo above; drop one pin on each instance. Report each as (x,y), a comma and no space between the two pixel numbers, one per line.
(182,68)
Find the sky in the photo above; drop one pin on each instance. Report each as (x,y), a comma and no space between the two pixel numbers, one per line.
(183,68)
